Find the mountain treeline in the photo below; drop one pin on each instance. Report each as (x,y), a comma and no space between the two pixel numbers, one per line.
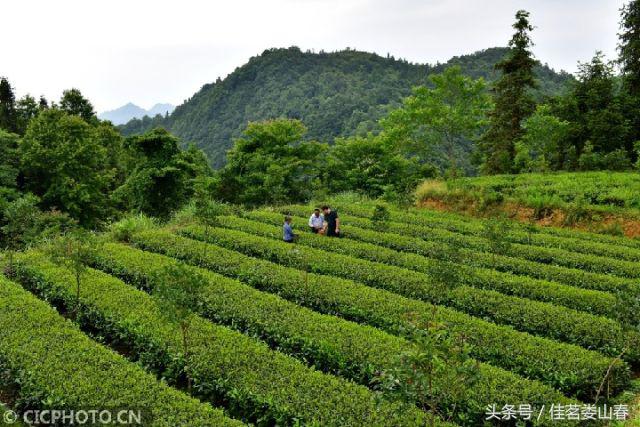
(334,94)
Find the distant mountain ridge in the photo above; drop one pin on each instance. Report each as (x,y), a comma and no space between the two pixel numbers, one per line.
(131,111)
(335,94)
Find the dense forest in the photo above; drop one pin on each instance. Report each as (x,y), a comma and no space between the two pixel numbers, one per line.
(334,94)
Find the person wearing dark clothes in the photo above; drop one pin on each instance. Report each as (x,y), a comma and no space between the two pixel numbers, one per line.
(332,222)
(287,231)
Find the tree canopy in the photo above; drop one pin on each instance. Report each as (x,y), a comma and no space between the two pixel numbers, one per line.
(271,163)
(513,100)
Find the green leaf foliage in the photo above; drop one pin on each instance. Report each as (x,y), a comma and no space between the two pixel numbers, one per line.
(53,365)
(502,346)
(254,382)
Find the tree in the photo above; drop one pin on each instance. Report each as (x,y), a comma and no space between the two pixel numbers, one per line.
(9,166)
(69,164)
(435,374)
(162,177)
(270,164)
(43,104)
(595,109)
(8,116)
(369,165)
(629,47)
(178,291)
(72,102)
(21,227)
(629,61)
(207,210)
(539,148)
(75,250)
(380,217)
(513,101)
(496,232)
(596,94)
(26,109)
(440,117)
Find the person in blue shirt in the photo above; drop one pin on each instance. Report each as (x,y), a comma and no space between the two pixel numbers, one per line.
(288,235)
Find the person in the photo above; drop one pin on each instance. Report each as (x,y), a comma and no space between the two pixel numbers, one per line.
(288,234)
(331,221)
(316,221)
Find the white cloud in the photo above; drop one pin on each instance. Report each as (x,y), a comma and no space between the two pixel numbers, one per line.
(154,51)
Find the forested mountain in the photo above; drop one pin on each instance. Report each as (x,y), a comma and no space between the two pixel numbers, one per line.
(334,94)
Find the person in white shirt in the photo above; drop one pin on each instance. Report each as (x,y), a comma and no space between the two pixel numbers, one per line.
(316,221)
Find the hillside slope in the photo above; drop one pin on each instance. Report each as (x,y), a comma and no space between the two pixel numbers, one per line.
(606,202)
(334,94)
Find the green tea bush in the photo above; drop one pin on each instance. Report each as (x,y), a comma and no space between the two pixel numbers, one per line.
(526,315)
(255,383)
(356,351)
(53,365)
(567,367)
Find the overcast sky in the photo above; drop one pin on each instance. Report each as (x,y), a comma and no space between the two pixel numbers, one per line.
(147,51)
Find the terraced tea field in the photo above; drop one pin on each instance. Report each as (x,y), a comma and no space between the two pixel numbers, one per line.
(301,334)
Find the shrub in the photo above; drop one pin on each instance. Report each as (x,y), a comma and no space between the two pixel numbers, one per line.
(52,365)
(570,368)
(328,342)
(407,239)
(443,266)
(129,225)
(526,315)
(380,217)
(255,382)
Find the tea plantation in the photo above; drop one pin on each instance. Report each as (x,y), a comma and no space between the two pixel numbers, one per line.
(329,331)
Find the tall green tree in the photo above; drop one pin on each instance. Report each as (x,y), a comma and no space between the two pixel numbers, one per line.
(161,177)
(8,116)
(439,117)
(513,101)
(76,250)
(68,163)
(271,163)
(539,150)
(9,166)
(21,225)
(369,165)
(74,103)
(598,124)
(26,109)
(179,291)
(629,47)
(629,61)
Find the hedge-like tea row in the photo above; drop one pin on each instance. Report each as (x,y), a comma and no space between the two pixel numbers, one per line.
(564,324)
(565,258)
(567,367)
(331,343)
(568,276)
(351,349)
(470,225)
(516,234)
(595,302)
(255,382)
(53,365)
(593,263)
